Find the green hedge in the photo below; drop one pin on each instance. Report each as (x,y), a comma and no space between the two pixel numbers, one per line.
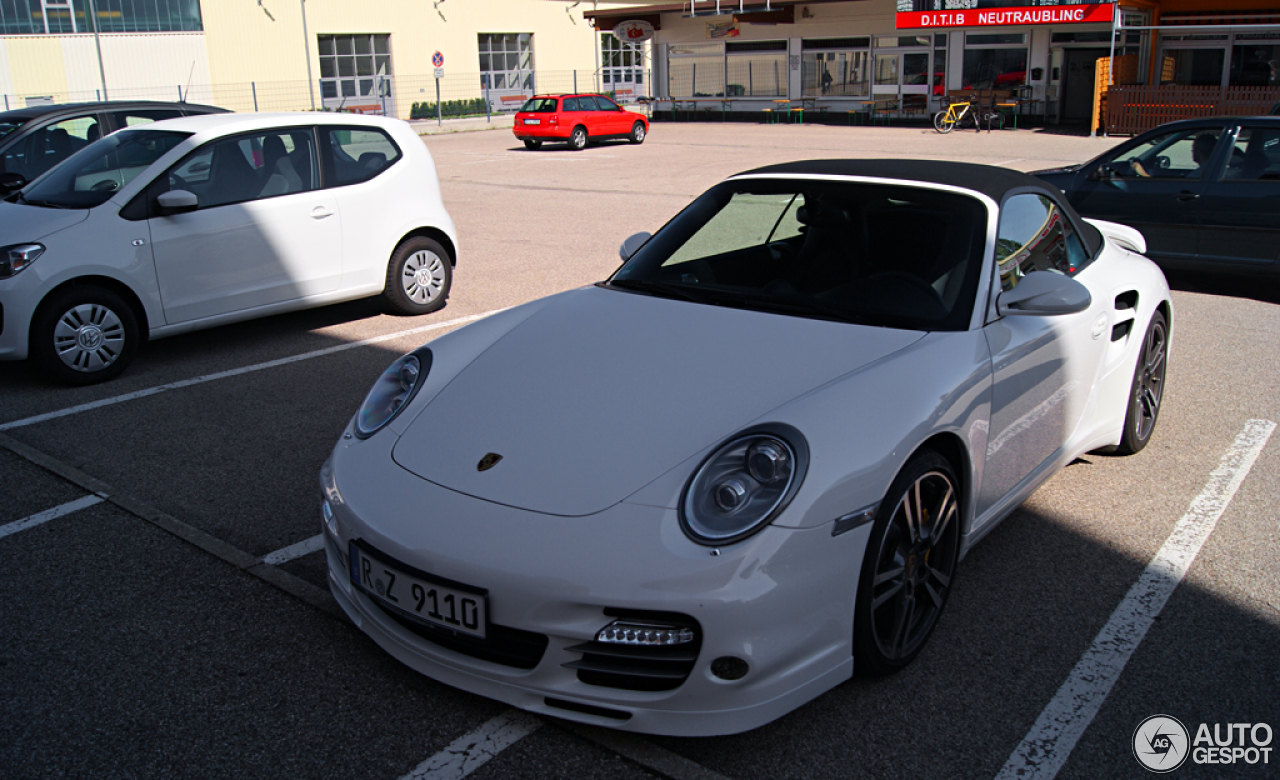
(448,109)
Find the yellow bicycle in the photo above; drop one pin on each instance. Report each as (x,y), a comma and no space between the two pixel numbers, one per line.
(962,112)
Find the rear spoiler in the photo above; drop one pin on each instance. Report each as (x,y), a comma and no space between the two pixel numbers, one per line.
(1125,236)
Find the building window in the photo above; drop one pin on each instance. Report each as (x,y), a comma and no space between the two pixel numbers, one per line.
(621,65)
(354,69)
(695,70)
(506,61)
(836,67)
(41,17)
(756,69)
(1255,61)
(995,61)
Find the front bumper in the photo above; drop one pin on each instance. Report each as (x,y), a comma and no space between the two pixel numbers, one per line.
(17,295)
(782,601)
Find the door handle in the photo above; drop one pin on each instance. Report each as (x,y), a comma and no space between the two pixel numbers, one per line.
(320,212)
(1187,195)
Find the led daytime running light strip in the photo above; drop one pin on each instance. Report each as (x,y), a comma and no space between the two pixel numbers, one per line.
(643,635)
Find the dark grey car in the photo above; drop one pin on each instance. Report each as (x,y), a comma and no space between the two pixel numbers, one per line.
(1204,192)
(36,138)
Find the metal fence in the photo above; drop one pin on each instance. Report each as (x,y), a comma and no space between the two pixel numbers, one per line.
(404,97)
(1133,109)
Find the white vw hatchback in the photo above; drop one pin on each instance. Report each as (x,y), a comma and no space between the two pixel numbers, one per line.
(190,223)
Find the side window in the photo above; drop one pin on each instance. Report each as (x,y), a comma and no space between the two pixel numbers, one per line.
(572,104)
(247,167)
(142,116)
(1256,155)
(356,154)
(1170,156)
(1035,235)
(605,104)
(54,143)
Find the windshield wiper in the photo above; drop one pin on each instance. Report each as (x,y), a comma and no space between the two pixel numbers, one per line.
(663,289)
(45,203)
(792,304)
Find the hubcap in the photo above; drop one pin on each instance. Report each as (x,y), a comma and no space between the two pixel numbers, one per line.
(423,276)
(914,565)
(1151,382)
(89,337)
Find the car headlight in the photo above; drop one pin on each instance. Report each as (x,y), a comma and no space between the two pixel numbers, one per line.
(745,483)
(392,392)
(15,257)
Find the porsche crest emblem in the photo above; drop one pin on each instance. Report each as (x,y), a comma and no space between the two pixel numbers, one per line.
(488,461)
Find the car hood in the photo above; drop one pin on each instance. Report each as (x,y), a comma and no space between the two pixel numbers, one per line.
(20,222)
(600,392)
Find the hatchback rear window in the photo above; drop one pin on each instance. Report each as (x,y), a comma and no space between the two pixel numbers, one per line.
(539,106)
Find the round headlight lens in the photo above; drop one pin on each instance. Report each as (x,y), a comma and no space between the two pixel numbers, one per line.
(391,393)
(742,486)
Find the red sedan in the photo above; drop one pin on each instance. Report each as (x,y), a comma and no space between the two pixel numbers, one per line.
(576,120)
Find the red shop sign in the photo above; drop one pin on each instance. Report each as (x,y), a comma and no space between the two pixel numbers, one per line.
(1009,17)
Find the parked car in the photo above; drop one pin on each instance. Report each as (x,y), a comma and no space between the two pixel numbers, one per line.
(694,496)
(576,120)
(1204,192)
(36,138)
(195,222)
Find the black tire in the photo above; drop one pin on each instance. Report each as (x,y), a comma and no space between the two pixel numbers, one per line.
(637,133)
(419,276)
(1147,390)
(941,123)
(532,143)
(83,335)
(578,139)
(908,570)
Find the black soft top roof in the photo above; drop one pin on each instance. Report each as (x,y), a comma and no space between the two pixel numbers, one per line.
(987,179)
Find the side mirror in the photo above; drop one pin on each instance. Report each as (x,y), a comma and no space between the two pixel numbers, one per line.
(632,245)
(1045,294)
(1104,172)
(177,202)
(11,182)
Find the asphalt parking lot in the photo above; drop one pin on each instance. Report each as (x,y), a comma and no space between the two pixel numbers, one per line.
(166,615)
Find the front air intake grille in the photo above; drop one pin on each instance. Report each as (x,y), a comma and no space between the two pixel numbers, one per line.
(502,645)
(636,667)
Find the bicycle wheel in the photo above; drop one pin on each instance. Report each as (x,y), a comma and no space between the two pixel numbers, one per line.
(995,119)
(942,122)
(967,119)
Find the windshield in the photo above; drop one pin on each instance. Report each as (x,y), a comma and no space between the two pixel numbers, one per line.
(91,176)
(877,254)
(539,106)
(8,127)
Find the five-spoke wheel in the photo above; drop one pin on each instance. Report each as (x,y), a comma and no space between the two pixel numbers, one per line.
(909,565)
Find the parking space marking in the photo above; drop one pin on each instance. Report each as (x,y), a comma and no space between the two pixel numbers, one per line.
(1045,749)
(119,399)
(48,514)
(286,554)
(469,752)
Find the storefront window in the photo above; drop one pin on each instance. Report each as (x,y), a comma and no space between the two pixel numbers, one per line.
(696,70)
(994,68)
(1255,63)
(756,68)
(836,67)
(1193,67)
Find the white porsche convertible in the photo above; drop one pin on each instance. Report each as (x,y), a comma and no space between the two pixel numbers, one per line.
(690,498)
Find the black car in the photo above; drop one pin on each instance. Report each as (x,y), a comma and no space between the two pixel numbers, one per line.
(35,138)
(1204,192)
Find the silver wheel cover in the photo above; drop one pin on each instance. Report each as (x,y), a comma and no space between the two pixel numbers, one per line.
(89,337)
(423,276)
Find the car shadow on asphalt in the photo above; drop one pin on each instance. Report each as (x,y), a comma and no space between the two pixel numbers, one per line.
(1258,289)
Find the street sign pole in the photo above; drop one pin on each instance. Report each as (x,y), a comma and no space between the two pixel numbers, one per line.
(437,60)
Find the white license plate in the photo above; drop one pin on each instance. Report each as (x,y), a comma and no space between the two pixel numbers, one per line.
(533,121)
(392,586)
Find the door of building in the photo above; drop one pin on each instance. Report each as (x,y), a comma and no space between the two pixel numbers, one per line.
(1078,76)
(902,72)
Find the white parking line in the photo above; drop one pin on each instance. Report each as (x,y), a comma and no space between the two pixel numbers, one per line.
(468,753)
(305,547)
(39,418)
(1045,749)
(47,515)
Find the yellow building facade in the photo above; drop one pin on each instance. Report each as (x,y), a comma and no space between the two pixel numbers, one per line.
(378,55)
